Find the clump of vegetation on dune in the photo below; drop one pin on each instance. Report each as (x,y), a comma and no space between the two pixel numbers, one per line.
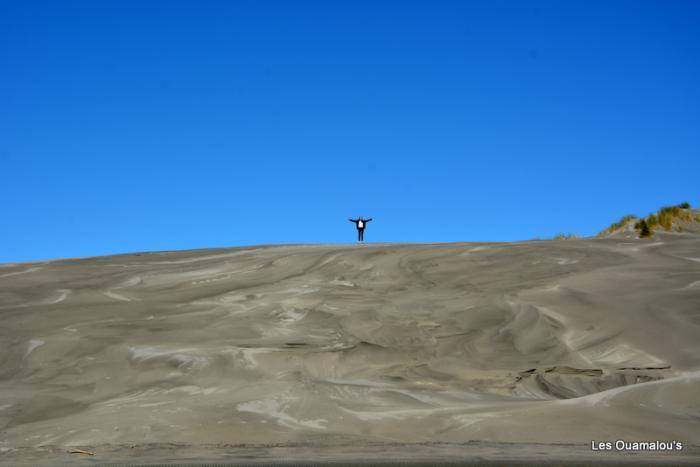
(618,225)
(663,218)
(642,226)
(666,215)
(565,236)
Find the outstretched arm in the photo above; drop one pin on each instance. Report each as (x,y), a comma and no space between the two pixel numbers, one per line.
(352,220)
(367,220)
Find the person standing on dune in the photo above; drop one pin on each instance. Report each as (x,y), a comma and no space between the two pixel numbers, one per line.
(360,223)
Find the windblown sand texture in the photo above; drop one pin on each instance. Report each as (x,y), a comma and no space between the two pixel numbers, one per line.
(531,342)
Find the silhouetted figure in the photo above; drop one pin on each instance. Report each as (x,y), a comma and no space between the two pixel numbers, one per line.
(360,223)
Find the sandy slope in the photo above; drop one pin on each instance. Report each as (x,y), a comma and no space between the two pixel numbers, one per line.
(534,342)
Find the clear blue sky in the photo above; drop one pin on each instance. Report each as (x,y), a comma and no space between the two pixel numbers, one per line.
(138,126)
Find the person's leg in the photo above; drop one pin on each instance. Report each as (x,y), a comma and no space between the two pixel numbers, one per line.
(362,235)
(359,235)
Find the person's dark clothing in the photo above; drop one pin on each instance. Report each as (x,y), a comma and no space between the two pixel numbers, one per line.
(360,224)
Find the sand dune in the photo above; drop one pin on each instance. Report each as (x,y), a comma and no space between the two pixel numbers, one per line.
(543,342)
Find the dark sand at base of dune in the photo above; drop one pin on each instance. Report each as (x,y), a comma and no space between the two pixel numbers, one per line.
(473,453)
